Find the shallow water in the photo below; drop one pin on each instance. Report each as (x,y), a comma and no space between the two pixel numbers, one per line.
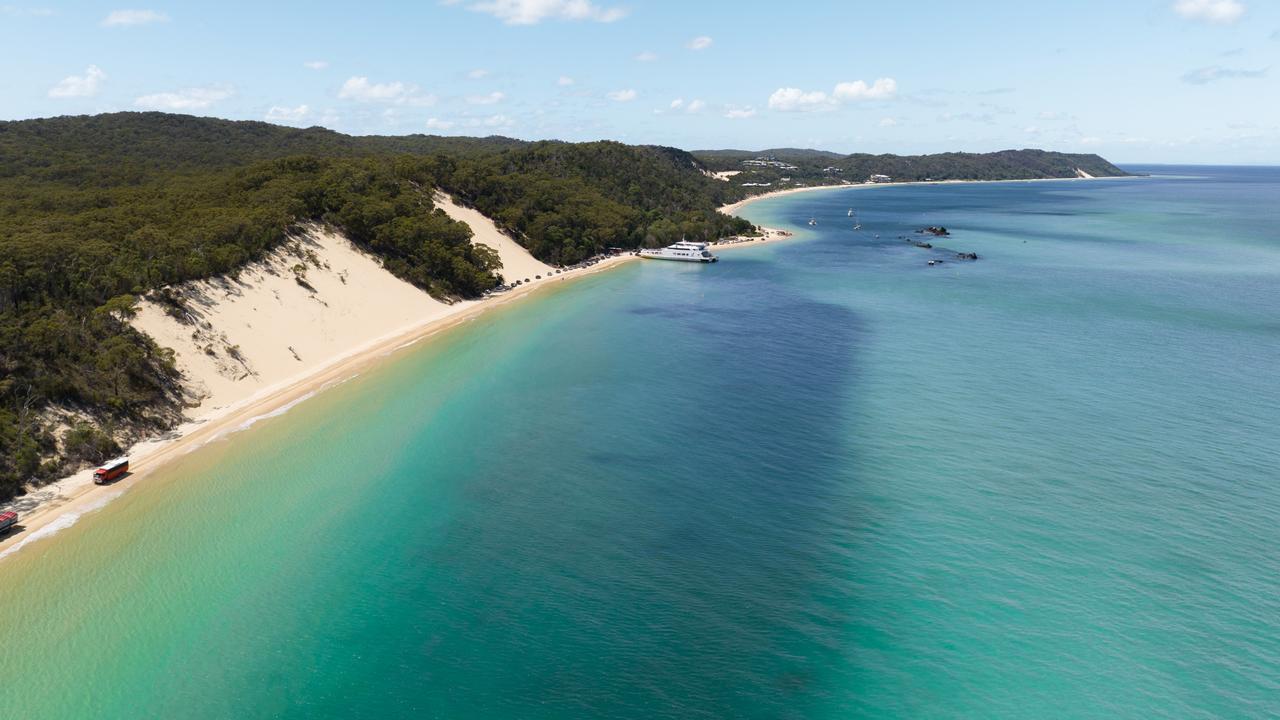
(817,479)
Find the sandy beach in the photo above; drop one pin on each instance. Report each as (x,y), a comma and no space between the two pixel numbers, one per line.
(734,208)
(774,234)
(292,340)
(379,316)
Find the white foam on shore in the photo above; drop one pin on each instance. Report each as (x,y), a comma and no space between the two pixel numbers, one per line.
(255,420)
(274,413)
(60,523)
(66,520)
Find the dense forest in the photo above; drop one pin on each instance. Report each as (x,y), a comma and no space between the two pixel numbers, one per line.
(791,166)
(97,211)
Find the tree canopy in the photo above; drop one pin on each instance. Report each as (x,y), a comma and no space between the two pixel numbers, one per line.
(100,210)
(96,211)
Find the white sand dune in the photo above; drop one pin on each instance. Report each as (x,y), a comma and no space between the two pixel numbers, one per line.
(290,341)
(245,334)
(517,263)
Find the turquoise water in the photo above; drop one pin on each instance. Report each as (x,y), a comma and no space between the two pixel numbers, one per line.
(819,479)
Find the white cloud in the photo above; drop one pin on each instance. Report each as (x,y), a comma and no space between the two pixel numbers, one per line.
(397,93)
(1214,73)
(881,89)
(438,124)
(15,11)
(496,121)
(86,85)
(187,99)
(693,106)
(128,18)
(532,12)
(702,42)
(492,98)
(281,114)
(1223,12)
(888,122)
(478,74)
(739,113)
(797,100)
(564,81)
(623,95)
(315,64)
(646,56)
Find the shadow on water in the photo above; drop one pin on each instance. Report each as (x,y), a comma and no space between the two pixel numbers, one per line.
(762,508)
(675,553)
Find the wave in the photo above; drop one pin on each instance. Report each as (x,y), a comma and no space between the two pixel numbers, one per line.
(60,523)
(274,413)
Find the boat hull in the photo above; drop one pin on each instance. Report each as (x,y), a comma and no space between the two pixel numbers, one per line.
(680,259)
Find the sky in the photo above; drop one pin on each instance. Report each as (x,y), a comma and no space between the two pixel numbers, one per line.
(1195,81)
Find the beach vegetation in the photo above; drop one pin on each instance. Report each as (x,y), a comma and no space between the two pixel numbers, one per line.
(97,211)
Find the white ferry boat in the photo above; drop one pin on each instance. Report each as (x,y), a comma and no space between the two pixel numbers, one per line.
(684,250)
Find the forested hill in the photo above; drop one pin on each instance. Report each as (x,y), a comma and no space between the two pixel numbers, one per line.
(782,167)
(162,141)
(97,211)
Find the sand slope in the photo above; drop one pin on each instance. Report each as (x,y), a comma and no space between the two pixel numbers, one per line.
(245,334)
(517,263)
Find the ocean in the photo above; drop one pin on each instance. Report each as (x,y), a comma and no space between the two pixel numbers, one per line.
(819,479)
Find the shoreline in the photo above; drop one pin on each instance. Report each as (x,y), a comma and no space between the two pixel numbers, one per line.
(70,497)
(61,503)
(734,207)
(776,234)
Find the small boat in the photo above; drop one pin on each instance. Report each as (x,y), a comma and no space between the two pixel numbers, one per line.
(813,221)
(850,213)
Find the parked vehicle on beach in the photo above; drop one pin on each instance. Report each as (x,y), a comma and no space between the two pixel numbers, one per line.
(8,519)
(111,470)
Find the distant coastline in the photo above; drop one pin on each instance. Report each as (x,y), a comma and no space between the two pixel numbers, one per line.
(59,504)
(735,207)
(776,234)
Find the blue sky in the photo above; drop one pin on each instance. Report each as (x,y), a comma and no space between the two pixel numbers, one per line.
(1133,80)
